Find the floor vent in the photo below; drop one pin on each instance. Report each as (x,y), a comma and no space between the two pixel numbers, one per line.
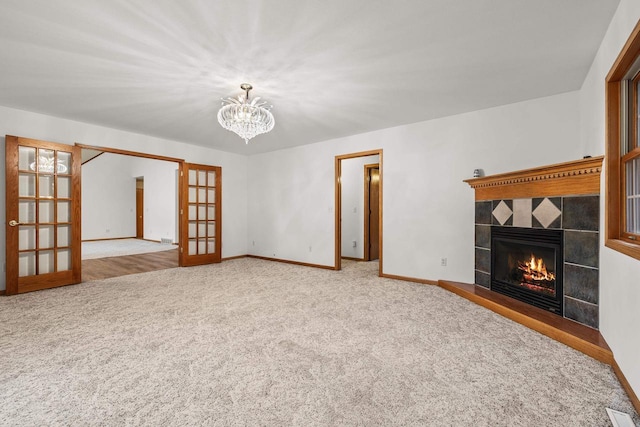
(620,419)
(166,241)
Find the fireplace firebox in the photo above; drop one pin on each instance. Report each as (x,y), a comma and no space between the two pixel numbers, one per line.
(526,264)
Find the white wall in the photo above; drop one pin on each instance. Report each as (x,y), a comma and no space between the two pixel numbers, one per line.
(428,212)
(619,274)
(48,128)
(353,210)
(109,197)
(160,197)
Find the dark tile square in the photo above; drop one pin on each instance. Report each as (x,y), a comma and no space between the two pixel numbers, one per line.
(581,247)
(581,311)
(483,212)
(483,260)
(483,236)
(581,283)
(557,223)
(581,213)
(483,279)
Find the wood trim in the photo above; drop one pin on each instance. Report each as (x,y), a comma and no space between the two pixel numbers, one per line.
(234,257)
(359,154)
(130,153)
(573,334)
(615,237)
(626,386)
(380,210)
(109,238)
(94,157)
(338,206)
(410,279)
(286,261)
(76,214)
(624,247)
(353,259)
(627,56)
(2,293)
(338,216)
(569,178)
(612,176)
(11,212)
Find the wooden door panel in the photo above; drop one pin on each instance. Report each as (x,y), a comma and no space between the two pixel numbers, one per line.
(139,213)
(201,212)
(374,218)
(43,214)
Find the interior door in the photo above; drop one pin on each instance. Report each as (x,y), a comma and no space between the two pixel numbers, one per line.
(201,215)
(43,238)
(374,211)
(139,212)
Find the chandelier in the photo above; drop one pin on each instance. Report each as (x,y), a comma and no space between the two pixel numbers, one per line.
(246,118)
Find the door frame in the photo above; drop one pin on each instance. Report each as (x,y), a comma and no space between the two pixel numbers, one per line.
(180,163)
(367,189)
(338,205)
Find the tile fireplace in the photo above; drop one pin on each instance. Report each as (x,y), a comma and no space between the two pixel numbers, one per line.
(537,237)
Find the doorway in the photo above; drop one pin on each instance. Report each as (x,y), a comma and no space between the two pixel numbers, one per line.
(43,207)
(358,214)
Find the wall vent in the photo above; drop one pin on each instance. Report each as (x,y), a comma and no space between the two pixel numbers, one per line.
(166,241)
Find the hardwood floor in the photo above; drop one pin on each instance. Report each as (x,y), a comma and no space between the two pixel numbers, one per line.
(104,268)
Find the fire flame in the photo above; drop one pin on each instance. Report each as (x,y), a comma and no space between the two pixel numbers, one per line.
(535,270)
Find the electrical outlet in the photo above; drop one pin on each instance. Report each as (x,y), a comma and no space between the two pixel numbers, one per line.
(354,243)
(254,243)
(310,248)
(443,262)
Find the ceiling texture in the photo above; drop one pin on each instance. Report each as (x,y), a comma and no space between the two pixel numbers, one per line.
(331,68)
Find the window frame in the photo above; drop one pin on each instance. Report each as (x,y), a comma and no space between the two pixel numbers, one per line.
(618,129)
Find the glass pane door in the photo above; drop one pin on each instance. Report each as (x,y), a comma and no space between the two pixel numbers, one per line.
(43,189)
(201,214)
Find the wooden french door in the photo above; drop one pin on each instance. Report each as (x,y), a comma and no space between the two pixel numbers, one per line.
(200,240)
(43,214)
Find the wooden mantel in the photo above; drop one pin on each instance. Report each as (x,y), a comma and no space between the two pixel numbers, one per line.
(569,178)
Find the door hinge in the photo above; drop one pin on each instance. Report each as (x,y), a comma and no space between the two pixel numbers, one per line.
(180,249)
(181,211)
(181,173)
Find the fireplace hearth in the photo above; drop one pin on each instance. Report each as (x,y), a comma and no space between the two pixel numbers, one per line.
(526,264)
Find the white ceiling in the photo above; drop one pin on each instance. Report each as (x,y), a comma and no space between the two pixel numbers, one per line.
(331,68)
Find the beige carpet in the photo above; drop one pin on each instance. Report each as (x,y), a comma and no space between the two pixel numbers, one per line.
(252,342)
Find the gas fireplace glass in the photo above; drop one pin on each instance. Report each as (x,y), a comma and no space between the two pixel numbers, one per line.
(526,264)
